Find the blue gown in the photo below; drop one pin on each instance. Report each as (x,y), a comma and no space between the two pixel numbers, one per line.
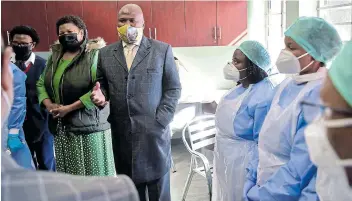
(236,144)
(17,115)
(294,180)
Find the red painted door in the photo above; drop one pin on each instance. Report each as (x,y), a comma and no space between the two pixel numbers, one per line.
(101,19)
(231,20)
(200,23)
(57,9)
(26,13)
(147,12)
(168,19)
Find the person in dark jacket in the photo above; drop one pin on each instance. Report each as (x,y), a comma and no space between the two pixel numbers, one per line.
(82,134)
(139,77)
(40,140)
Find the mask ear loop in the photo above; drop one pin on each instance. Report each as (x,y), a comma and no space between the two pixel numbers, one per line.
(303,55)
(344,162)
(241,71)
(307,66)
(338,123)
(233,66)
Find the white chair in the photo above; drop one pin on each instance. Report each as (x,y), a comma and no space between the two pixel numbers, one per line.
(183,115)
(201,133)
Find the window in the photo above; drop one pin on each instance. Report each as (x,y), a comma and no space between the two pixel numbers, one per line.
(339,13)
(275,26)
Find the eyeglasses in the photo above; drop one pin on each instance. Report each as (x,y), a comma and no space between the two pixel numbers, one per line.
(312,111)
(21,44)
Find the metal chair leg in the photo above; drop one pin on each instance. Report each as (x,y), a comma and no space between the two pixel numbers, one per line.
(210,184)
(189,179)
(173,165)
(188,184)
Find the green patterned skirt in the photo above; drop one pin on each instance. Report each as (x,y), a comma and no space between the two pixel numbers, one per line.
(86,155)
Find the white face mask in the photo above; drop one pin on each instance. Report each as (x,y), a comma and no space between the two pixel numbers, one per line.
(320,149)
(288,63)
(232,73)
(332,182)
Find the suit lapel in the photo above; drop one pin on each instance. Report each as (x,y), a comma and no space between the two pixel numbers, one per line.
(119,55)
(142,52)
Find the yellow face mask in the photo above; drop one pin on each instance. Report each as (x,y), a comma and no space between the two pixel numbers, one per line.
(130,34)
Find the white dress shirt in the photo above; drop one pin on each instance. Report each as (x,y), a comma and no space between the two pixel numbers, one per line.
(30,60)
(129,56)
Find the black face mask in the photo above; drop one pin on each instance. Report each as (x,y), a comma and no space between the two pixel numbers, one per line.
(70,42)
(23,52)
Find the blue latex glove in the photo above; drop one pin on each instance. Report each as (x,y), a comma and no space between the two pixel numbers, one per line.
(247,186)
(14,142)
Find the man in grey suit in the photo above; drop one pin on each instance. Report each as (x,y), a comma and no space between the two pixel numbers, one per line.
(138,76)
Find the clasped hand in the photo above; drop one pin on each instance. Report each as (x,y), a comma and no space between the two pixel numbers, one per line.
(59,111)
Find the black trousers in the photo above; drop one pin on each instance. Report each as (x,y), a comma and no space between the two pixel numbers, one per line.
(43,153)
(157,190)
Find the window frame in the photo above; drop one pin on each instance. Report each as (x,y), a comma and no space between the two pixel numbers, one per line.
(332,7)
(270,13)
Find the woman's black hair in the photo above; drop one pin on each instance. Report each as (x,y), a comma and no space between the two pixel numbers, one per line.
(254,73)
(74,20)
(25,30)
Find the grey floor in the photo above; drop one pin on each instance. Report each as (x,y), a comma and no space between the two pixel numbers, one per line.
(198,190)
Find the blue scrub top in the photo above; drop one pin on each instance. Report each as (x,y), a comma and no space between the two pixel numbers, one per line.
(296,178)
(251,114)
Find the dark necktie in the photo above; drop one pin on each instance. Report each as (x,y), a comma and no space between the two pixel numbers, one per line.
(21,65)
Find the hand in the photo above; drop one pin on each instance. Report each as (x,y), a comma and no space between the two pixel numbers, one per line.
(14,142)
(97,96)
(61,111)
(52,106)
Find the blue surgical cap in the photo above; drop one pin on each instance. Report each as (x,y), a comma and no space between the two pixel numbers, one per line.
(316,36)
(256,53)
(340,72)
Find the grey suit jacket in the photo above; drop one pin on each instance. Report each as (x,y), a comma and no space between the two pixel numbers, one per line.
(26,185)
(142,104)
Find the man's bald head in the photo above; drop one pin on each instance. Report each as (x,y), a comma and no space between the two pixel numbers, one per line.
(131,14)
(130,8)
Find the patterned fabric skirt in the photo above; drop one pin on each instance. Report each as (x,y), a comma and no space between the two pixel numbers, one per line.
(86,155)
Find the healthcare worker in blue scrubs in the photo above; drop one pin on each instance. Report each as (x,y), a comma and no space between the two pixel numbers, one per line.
(329,137)
(285,171)
(16,143)
(239,117)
